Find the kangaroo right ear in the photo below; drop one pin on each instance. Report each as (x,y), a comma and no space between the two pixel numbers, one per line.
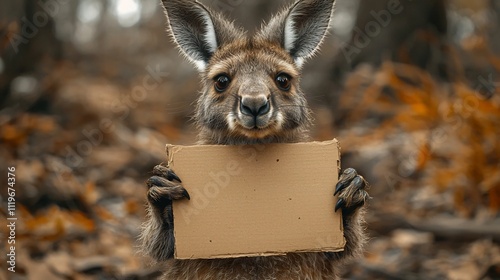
(196,30)
(301,28)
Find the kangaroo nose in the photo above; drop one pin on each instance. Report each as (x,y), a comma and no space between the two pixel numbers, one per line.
(254,105)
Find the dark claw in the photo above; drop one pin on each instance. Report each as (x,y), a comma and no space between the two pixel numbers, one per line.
(186,194)
(155,181)
(345,179)
(340,186)
(340,204)
(172,176)
(165,172)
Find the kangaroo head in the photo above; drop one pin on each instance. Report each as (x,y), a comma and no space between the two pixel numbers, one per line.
(251,88)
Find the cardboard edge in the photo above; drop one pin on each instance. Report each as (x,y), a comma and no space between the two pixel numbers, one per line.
(171,150)
(339,172)
(174,148)
(264,254)
(168,151)
(175,252)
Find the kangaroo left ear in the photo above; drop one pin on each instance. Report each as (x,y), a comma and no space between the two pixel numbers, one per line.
(197,31)
(301,28)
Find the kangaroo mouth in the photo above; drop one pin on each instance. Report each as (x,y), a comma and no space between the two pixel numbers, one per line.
(256,127)
(255,123)
(256,132)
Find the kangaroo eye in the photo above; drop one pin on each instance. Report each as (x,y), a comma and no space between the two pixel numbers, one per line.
(221,83)
(283,81)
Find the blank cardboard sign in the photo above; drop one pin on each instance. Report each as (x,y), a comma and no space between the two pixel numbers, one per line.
(256,200)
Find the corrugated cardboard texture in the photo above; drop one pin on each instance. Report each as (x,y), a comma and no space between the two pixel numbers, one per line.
(256,200)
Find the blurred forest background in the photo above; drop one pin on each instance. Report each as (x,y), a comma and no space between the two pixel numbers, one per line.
(91,90)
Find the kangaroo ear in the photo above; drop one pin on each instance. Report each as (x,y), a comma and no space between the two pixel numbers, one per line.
(301,28)
(196,30)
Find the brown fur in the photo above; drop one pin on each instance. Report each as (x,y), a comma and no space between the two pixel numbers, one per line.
(252,65)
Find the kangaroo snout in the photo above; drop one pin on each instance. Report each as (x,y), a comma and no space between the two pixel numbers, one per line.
(254,105)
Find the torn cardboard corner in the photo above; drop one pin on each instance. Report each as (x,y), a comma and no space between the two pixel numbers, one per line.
(256,200)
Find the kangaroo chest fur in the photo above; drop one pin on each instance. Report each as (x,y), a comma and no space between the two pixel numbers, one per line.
(292,266)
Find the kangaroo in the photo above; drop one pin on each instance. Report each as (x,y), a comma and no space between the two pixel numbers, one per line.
(250,95)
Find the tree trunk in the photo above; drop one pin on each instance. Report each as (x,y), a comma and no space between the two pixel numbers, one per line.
(29,38)
(405,31)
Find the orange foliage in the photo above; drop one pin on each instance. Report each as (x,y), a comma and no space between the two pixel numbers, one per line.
(55,223)
(461,148)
